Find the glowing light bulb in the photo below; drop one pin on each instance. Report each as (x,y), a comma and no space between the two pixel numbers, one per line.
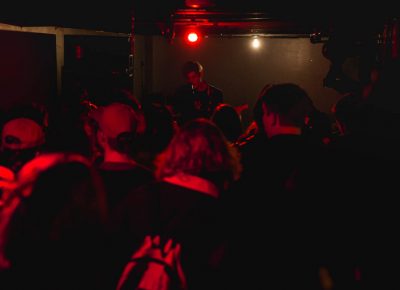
(256,43)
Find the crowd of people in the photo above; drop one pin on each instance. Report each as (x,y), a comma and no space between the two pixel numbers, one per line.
(298,200)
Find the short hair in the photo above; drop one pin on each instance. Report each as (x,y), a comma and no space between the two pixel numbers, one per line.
(228,121)
(192,66)
(348,111)
(200,149)
(289,101)
(119,123)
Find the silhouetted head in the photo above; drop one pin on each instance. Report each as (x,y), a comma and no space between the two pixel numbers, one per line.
(193,72)
(228,121)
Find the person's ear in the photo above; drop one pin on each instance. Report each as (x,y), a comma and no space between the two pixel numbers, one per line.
(270,115)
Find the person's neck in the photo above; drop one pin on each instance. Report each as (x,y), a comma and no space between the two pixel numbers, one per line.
(116,157)
(283,130)
(195,183)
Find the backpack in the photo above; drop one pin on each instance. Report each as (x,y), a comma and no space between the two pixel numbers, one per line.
(154,267)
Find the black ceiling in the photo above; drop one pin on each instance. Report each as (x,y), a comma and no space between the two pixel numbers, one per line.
(151,15)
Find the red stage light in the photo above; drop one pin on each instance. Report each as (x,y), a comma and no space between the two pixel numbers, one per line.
(192,37)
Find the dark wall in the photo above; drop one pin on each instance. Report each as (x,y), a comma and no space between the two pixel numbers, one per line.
(240,71)
(27,68)
(95,62)
(143,66)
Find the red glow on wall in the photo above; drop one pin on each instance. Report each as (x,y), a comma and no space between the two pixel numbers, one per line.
(78,52)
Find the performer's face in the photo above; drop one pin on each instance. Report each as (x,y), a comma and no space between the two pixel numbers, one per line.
(194,79)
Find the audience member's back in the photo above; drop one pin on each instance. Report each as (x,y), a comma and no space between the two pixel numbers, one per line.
(56,238)
(280,115)
(116,134)
(185,202)
(362,189)
(271,208)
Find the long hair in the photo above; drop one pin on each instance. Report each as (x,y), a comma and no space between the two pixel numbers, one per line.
(200,149)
